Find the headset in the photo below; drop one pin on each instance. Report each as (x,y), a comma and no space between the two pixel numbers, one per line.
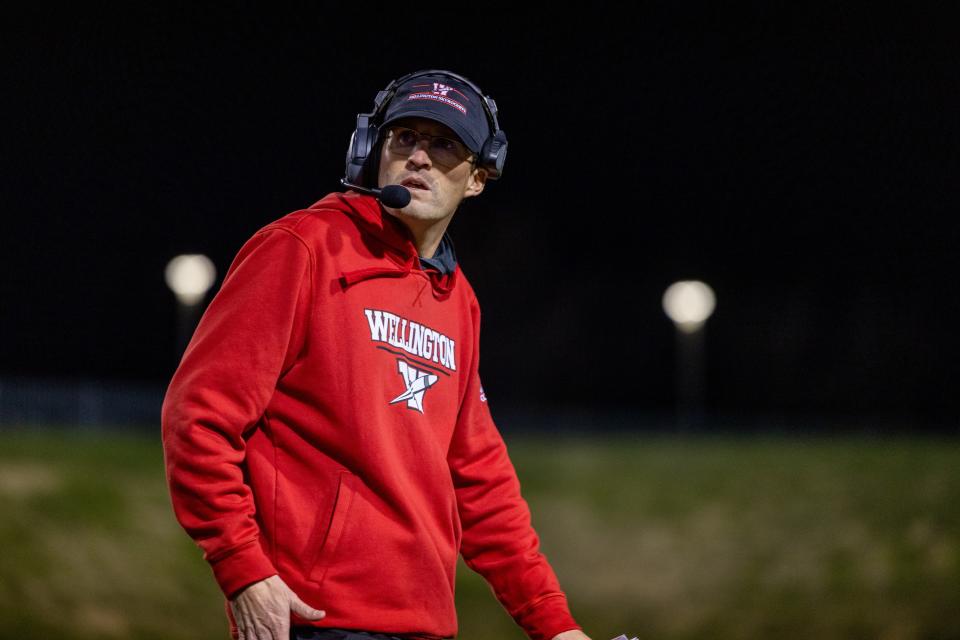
(364,138)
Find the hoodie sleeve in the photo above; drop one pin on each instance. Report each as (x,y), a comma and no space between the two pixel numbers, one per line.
(251,332)
(498,540)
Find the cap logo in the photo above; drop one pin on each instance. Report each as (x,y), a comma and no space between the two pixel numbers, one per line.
(439,94)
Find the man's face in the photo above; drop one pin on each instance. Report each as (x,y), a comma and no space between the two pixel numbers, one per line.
(446,186)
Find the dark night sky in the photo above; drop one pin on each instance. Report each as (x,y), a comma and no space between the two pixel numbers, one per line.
(804,162)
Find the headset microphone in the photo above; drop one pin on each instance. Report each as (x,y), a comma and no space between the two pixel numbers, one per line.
(392,195)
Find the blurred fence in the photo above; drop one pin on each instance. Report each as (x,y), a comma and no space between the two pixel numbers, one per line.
(79,402)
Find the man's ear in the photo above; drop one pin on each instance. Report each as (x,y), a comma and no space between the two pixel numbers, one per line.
(476,182)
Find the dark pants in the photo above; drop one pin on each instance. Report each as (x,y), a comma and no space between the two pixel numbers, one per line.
(309,633)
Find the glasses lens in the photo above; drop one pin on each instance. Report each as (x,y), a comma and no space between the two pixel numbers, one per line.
(446,151)
(402,140)
(443,151)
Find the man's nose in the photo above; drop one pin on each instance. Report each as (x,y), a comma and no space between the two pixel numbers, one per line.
(419,155)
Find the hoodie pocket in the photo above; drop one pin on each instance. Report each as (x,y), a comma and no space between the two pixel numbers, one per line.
(327,547)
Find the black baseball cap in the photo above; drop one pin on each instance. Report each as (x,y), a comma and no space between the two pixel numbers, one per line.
(444,99)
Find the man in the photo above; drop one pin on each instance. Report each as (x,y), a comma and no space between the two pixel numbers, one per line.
(326,436)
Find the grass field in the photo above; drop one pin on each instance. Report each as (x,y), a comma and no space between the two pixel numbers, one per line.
(721,538)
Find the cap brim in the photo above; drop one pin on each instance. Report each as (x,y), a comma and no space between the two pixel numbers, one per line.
(461,131)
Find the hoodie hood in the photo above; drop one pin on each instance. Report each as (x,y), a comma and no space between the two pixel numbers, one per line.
(369,216)
(445,259)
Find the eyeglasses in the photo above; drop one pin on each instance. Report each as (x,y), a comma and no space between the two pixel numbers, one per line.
(443,151)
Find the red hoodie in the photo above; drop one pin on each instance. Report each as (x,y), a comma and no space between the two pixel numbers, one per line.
(327,424)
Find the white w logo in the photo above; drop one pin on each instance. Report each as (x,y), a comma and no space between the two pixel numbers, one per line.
(417,383)
(441,88)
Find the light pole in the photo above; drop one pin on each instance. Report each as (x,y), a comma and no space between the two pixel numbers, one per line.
(189,276)
(689,303)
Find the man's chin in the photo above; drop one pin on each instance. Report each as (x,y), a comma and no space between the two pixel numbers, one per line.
(419,209)
(416,211)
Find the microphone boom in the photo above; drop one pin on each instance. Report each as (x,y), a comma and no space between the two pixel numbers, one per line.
(394,196)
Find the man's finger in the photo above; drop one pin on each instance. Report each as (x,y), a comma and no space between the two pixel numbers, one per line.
(304,610)
(253,633)
(241,623)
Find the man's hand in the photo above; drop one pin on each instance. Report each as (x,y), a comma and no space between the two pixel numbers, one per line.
(573,634)
(262,610)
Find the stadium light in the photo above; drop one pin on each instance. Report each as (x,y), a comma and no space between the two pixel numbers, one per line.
(689,303)
(190,276)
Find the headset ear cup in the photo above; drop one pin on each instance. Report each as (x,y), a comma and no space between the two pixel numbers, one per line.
(360,142)
(349,171)
(493,155)
(371,166)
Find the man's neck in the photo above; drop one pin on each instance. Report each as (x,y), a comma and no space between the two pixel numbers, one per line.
(426,234)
